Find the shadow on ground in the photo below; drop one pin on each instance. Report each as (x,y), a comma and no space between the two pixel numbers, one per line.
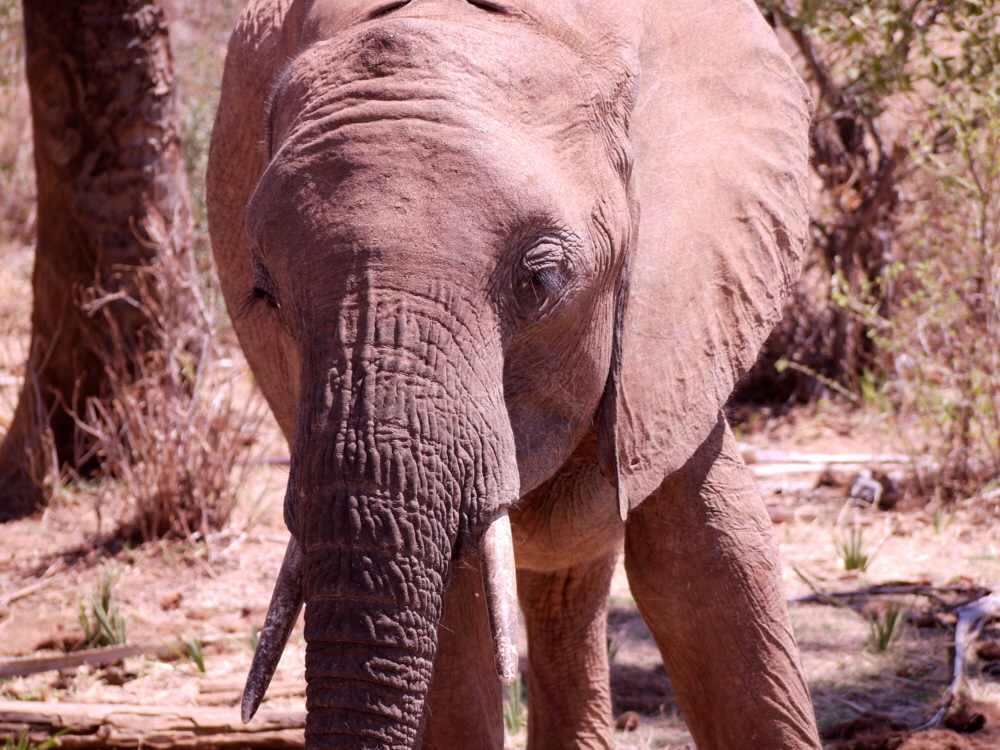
(893,706)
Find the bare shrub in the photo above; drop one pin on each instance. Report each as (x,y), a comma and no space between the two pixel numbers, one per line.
(170,435)
(939,330)
(900,305)
(864,61)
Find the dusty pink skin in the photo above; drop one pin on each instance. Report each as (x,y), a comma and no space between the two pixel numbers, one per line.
(459,317)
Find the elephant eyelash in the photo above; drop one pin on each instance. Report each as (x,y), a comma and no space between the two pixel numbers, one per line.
(261,292)
(254,299)
(387,9)
(488,7)
(550,279)
(539,290)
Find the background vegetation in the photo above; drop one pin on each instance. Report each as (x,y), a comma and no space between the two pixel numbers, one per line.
(900,301)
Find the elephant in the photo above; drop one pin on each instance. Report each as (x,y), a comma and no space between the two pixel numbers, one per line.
(496,266)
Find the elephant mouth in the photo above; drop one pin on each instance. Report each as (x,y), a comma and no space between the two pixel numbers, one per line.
(499,579)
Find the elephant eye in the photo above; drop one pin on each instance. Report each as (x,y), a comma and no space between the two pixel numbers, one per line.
(487,6)
(533,289)
(258,295)
(540,282)
(261,293)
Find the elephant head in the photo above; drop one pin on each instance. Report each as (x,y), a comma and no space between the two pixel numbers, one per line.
(438,240)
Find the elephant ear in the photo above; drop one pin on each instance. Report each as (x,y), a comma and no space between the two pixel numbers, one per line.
(720,141)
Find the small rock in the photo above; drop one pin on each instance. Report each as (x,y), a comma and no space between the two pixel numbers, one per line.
(627,722)
(923,620)
(171,601)
(65,679)
(866,488)
(780,515)
(989,650)
(828,478)
(198,614)
(963,716)
(116,675)
(229,624)
(964,719)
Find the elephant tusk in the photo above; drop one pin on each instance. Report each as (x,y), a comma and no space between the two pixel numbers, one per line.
(282,612)
(500,582)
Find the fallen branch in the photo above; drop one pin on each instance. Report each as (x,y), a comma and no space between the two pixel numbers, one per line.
(46,578)
(21,593)
(971,620)
(95,657)
(971,594)
(754,455)
(88,726)
(231,694)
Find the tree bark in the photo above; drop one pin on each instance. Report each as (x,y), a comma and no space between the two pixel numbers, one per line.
(107,152)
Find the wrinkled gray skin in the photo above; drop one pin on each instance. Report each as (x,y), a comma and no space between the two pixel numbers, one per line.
(511,257)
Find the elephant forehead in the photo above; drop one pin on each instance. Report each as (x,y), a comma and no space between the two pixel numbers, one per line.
(371,159)
(420,132)
(387,185)
(512,76)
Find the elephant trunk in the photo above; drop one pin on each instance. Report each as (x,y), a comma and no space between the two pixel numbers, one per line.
(405,682)
(403,459)
(371,629)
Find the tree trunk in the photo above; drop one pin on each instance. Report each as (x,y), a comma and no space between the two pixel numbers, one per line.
(107,152)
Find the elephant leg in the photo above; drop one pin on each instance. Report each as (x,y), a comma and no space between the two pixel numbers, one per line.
(566,613)
(465,704)
(703,567)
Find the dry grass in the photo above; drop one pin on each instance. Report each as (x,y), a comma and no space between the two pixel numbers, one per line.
(171,437)
(942,369)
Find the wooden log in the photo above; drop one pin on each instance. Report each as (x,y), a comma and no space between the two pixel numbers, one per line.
(96,657)
(754,455)
(129,726)
(230,695)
